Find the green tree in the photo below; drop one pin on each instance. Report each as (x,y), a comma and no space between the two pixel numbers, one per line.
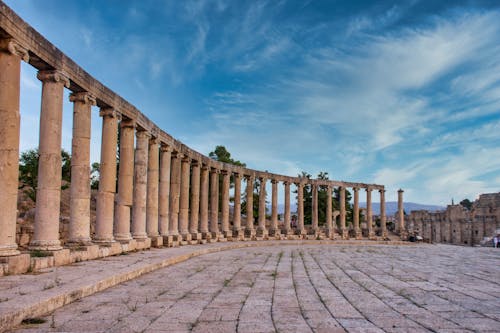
(94,175)
(28,171)
(466,203)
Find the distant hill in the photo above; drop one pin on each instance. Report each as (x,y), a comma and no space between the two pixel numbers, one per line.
(391,207)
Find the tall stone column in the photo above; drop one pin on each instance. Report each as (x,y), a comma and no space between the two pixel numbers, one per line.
(184,199)
(125,181)
(369,215)
(343,229)
(153,192)
(11,54)
(249,229)
(48,196)
(382,214)
(300,208)
(261,229)
(195,201)
(286,218)
(79,223)
(107,177)
(164,191)
(214,203)
(225,204)
(175,189)
(140,185)
(204,202)
(274,231)
(314,189)
(329,220)
(401,217)
(237,207)
(355,212)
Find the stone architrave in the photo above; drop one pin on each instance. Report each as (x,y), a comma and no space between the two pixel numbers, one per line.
(107,177)
(343,229)
(46,235)
(124,198)
(225,204)
(382,214)
(11,54)
(204,188)
(314,189)
(300,208)
(286,218)
(152,190)
(184,199)
(214,203)
(369,216)
(355,217)
(140,185)
(261,229)
(164,190)
(79,224)
(237,206)
(194,218)
(249,229)
(329,220)
(175,189)
(274,231)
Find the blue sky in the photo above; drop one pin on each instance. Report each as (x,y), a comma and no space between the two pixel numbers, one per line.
(404,93)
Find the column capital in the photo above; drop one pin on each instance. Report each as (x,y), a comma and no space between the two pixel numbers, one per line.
(195,163)
(368,189)
(214,170)
(249,177)
(400,191)
(83,97)
(381,191)
(355,189)
(142,134)
(237,175)
(205,167)
(176,154)
(274,181)
(11,46)
(109,112)
(225,172)
(262,179)
(127,123)
(185,158)
(53,76)
(165,148)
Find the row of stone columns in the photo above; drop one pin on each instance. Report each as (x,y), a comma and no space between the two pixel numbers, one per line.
(157,193)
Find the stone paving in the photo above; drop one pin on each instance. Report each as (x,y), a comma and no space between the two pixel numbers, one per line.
(301,288)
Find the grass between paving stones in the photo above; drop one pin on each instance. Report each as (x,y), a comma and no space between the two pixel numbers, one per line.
(33,321)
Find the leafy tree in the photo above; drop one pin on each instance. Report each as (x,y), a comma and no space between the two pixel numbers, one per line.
(28,171)
(94,176)
(222,155)
(466,203)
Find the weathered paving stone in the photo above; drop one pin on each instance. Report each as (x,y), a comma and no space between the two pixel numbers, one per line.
(307,288)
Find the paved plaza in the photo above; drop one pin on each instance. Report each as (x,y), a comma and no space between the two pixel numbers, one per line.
(301,288)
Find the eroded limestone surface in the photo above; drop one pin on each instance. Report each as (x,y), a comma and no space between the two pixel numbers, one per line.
(309,288)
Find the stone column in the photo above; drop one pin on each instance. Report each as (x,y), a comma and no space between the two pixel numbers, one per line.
(204,202)
(152,193)
(249,229)
(195,201)
(329,220)
(274,231)
(214,203)
(125,181)
(79,223)
(225,205)
(382,214)
(261,229)
(369,217)
(300,208)
(314,217)
(164,191)
(286,218)
(237,207)
(48,196)
(184,199)
(11,54)
(343,230)
(107,177)
(140,185)
(175,189)
(401,217)
(355,212)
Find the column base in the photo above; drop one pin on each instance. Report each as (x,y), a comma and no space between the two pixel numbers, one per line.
(123,238)
(344,233)
(43,245)
(238,234)
(186,237)
(196,237)
(9,250)
(156,241)
(17,264)
(261,233)
(104,241)
(250,234)
(143,244)
(78,242)
(329,234)
(358,234)
(205,235)
(168,241)
(228,235)
(275,233)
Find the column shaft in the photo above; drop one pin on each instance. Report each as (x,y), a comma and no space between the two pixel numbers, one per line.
(355,212)
(164,190)
(79,225)
(204,185)
(286,218)
(343,228)
(195,198)
(225,203)
(274,207)
(329,221)
(107,177)
(237,203)
(184,198)
(175,189)
(261,229)
(214,202)
(300,208)
(125,181)
(249,192)
(152,188)
(382,214)
(46,236)
(401,216)
(369,218)
(140,185)
(11,54)
(314,189)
